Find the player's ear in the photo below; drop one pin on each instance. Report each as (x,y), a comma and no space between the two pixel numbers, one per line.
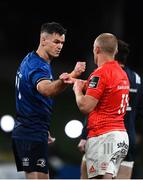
(42,39)
(116,51)
(97,50)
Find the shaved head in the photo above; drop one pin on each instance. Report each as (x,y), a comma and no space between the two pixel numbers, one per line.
(107,42)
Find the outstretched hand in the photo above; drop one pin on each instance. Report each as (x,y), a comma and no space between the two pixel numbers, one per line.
(66,78)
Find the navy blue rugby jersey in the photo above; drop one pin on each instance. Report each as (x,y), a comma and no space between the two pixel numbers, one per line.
(135,95)
(33,110)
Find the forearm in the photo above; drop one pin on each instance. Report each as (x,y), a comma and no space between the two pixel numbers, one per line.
(74,74)
(57,87)
(81,101)
(51,88)
(85,103)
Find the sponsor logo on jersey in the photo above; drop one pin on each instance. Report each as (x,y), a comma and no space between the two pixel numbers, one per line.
(93,82)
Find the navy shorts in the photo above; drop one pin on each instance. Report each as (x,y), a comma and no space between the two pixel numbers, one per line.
(30,156)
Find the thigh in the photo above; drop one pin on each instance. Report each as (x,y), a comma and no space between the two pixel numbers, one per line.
(31,156)
(36,175)
(83,168)
(125,170)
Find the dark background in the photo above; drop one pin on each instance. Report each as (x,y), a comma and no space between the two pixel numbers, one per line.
(20,24)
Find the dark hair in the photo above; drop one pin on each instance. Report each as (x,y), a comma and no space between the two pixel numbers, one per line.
(53,27)
(123,52)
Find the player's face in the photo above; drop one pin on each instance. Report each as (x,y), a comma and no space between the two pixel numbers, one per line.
(54,44)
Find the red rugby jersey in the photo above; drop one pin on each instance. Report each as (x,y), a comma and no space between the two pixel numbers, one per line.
(110,85)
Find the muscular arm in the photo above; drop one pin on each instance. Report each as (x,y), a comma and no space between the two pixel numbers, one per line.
(50,88)
(85,103)
(53,88)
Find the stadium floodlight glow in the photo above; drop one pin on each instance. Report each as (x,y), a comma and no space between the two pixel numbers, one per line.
(73,128)
(7,123)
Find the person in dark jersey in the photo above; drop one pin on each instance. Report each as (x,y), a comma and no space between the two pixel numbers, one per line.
(105,103)
(134,108)
(35,88)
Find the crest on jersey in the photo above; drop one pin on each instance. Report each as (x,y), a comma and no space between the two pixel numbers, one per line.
(93,82)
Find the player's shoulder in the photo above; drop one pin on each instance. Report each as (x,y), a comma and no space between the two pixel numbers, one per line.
(35,61)
(101,71)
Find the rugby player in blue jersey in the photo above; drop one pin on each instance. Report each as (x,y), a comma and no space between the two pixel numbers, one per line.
(134,108)
(35,88)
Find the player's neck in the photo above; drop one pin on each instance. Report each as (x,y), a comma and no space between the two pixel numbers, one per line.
(103,59)
(43,55)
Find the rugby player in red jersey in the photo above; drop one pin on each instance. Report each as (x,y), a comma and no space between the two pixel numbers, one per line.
(105,103)
(134,109)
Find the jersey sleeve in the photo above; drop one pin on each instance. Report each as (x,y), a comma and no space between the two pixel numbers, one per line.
(40,74)
(96,85)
